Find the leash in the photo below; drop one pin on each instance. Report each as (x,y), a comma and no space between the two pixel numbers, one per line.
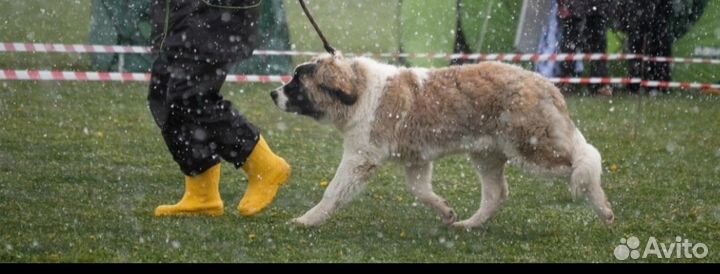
(327,46)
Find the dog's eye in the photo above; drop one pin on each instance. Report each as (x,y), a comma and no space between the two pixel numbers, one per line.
(292,84)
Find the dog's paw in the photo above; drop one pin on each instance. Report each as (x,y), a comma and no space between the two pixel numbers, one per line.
(299,222)
(449,217)
(303,222)
(466,225)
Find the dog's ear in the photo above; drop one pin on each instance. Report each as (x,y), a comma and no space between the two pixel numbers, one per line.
(342,96)
(335,77)
(306,69)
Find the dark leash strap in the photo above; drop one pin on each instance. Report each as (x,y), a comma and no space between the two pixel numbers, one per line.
(327,46)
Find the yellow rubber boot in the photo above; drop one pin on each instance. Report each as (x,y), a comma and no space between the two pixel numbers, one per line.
(266,172)
(202,196)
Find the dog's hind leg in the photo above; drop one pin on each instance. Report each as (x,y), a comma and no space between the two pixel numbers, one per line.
(585,178)
(350,179)
(491,168)
(419,182)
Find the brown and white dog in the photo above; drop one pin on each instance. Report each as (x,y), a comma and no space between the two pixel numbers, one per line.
(495,112)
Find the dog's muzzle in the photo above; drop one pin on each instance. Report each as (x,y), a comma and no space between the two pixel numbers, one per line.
(274,95)
(279,99)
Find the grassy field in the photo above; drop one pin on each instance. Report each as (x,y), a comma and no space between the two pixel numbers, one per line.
(45,21)
(82,167)
(705,33)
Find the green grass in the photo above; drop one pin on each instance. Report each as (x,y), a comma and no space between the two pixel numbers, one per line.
(706,33)
(82,166)
(350,26)
(44,21)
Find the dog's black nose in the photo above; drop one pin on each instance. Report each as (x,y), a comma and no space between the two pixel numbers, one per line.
(274,95)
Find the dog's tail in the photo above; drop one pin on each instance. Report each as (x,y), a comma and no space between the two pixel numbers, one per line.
(585,177)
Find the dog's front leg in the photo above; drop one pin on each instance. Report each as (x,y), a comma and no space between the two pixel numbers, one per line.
(350,179)
(419,182)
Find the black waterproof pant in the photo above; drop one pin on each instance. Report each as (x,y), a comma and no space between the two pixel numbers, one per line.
(587,35)
(199,127)
(651,36)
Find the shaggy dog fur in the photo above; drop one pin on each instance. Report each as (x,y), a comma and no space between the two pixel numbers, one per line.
(495,112)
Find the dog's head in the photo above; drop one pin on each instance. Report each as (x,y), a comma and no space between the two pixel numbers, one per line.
(325,87)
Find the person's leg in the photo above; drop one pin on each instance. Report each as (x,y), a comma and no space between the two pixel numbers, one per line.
(236,140)
(636,44)
(159,78)
(569,43)
(660,43)
(596,37)
(461,45)
(191,99)
(203,128)
(202,196)
(266,172)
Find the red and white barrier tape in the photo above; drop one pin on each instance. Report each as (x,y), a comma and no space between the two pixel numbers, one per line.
(627,81)
(74,48)
(510,57)
(44,75)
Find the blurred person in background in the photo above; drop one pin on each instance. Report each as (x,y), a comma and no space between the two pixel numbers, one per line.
(649,33)
(583,28)
(652,26)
